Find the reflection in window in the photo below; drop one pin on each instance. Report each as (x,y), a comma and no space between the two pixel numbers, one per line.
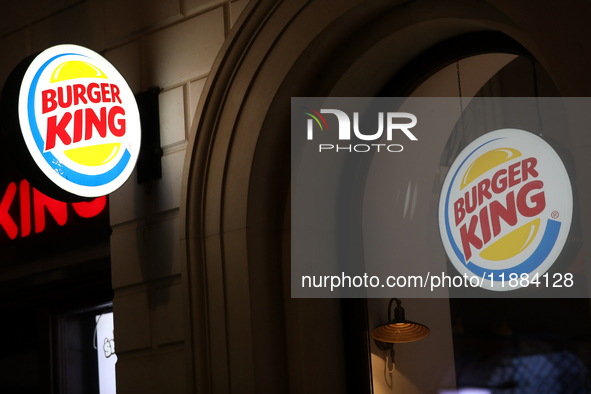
(512,346)
(555,372)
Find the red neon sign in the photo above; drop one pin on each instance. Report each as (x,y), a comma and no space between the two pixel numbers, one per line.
(42,205)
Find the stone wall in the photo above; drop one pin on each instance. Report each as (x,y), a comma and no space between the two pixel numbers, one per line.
(167,43)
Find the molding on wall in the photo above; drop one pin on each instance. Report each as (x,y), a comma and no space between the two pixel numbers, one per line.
(235,180)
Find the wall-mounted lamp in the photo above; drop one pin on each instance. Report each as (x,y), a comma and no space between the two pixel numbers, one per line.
(397,330)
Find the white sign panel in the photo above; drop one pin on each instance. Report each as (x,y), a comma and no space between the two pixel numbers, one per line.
(106,353)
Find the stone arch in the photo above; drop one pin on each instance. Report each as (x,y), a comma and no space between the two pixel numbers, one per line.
(240,319)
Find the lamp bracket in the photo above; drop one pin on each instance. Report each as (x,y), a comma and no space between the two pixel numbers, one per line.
(383,345)
(387,347)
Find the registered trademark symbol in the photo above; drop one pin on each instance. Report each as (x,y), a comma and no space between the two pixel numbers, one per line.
(555,215)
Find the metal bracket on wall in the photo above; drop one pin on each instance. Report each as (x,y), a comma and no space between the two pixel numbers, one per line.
(149,164)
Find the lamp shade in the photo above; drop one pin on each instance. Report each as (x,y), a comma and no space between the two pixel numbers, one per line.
(399,330)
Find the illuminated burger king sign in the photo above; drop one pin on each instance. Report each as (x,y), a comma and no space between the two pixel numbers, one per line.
(78,120)
(505,208)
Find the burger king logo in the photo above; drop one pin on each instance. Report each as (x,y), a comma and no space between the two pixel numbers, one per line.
(505,208)
(79,120)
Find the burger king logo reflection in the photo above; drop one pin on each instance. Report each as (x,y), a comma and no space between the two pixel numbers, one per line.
(505,207)
(79,120)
